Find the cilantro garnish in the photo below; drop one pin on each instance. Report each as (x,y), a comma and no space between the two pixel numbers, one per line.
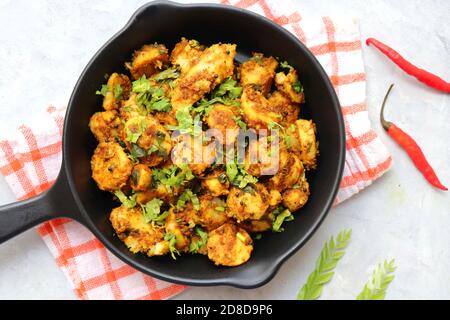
(127,202)
(197,245)
(188,195)
(151,97)
(286,65)
(297,86)
(152,211)
(104,91)
(172,177)
(238,176)
(170,237)
(167,74)
(280,215)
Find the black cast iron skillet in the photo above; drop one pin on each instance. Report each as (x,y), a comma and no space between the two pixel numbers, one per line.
(76,196)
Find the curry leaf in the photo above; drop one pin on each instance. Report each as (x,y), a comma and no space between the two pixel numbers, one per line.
(382,276)
(329,257)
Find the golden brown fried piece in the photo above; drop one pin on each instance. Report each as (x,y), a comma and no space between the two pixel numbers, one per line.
(141,177)
(251,203)
(110,166)
(152,135)
(185,54)
(222,118)
(136,233)
(177,223)
(290,86)
(289,172)
(306,146)
(255,226)
(258,113)
(258,71)
(288,110)
(294,199)
(106,126)
(229,246)
(216,183)
(119,88)
(131,109)
(149,60)
(214,65)
(262,157)
(212,212)
(192,151)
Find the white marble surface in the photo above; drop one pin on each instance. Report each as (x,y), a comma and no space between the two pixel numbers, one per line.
(45,44)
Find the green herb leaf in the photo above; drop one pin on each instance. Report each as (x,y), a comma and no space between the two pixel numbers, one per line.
(280,217)
(162,105)
(173,176)
(382,276)
(220,209)
(126,202)
(134,128)
(118,92)
(258,236)
(195,246)
(186,123)
(170,237)
(331,253)
(240,236)
(167,74)
(152,211)
(240,123)
(286,65)
(229,87)
(141,85)
(104,91)
(297,86)
(188,195)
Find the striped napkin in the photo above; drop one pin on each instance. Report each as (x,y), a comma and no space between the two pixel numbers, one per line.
(30,158)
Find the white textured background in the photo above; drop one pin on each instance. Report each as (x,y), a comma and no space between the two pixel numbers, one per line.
(45,44)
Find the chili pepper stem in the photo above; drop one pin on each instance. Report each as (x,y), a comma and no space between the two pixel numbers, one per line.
(384,123)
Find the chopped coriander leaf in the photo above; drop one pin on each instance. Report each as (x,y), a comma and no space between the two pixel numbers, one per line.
(151,97)
(292,128)
(228,86)
(167,74)
(186,123)
(258,236)
(152,211)
(197,245)
(258,58)
(134,128)
(247,179)
(128,202)
(288,140)
(170,237)
(137,152)
(232,171)
(162,105)
(240,236)
(240,123)
(141,85)
(272,125)
(188,195)
(104,91)
(297,86)
(280,217)
(118,92)
(173,176)
(286,65)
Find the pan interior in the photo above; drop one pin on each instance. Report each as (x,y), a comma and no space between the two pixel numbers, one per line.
(166,24)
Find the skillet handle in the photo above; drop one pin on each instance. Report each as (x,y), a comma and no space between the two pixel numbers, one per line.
(18,217)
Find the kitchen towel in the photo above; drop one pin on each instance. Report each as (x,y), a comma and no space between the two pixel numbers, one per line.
(30,158)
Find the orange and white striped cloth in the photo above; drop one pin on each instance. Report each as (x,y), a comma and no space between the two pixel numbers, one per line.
(31,157)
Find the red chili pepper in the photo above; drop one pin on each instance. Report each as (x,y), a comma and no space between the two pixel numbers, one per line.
(422,75)
(411,147)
